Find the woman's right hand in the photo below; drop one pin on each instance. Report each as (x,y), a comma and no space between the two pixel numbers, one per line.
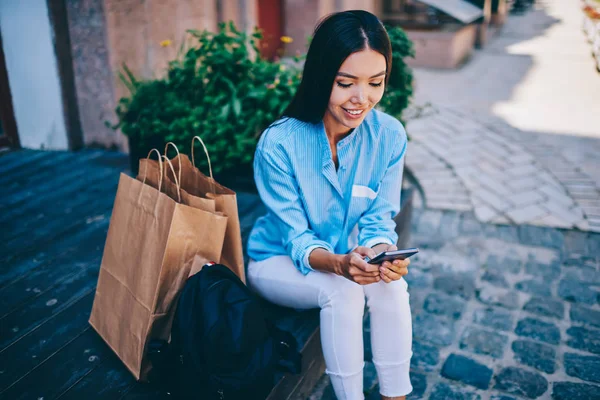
(356,269)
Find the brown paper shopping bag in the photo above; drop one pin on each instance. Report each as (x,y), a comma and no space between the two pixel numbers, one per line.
(151,243)
(149,172)
(196,183)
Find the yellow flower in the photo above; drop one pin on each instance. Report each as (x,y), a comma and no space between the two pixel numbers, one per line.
(282,67)
(286,39)
(165,43)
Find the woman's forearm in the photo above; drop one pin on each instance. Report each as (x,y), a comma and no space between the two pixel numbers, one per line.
(322,260)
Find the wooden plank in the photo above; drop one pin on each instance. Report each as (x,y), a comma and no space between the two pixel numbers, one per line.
(75,210)
(23,201)
(9,155)
(140,391)
(62,370)
(49,169)
(43,342)
(110,380)
(104,187)
(32,170)
(9,165)
(299,386)
(41,197)
(32,314)
(46,234)
(43,279)
(100,189)
(48,223)
(37,315)
(73,204)
(61,248)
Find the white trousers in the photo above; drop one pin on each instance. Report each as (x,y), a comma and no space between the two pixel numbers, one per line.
(342,304)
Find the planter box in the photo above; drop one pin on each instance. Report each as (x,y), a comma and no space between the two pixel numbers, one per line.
(445,48)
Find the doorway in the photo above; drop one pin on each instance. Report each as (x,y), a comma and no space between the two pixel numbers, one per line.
(270,22)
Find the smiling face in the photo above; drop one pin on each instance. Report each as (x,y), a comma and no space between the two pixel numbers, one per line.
(357,88)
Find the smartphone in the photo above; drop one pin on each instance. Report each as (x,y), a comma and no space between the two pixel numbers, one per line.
(392,255)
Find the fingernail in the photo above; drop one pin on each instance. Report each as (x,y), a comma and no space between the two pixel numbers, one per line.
(384,269)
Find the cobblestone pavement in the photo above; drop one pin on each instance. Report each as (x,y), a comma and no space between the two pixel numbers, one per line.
(503,174)
(471,150)
(499,312)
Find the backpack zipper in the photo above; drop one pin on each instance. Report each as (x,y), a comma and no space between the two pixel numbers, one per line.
(221,395)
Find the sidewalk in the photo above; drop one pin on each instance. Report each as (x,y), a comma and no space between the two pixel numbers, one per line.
(514,135)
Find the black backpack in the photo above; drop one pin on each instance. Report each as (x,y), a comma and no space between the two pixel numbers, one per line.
(222,346)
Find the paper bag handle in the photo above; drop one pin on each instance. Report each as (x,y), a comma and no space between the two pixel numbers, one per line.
(207,157)
(160,166)
(177,150)
(176,181)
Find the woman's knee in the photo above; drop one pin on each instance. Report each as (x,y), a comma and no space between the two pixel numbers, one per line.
(389,296)
(345,297)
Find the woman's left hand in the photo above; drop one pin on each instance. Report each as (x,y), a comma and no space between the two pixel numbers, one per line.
(392,271)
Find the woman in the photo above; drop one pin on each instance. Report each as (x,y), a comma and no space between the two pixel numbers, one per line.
(330,174)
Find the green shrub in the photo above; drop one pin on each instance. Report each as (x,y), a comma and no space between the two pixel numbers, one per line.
(399,89)
(222,91)
(219,89)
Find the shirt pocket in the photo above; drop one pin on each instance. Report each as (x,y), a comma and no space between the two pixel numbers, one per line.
(362,198)
(363,191)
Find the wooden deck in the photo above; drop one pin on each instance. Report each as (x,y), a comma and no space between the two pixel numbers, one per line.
(55,211)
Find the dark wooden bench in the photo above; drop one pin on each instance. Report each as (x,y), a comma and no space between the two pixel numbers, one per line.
(55,213)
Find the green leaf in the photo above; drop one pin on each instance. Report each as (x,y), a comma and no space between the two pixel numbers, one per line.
(225,111)
(237,106)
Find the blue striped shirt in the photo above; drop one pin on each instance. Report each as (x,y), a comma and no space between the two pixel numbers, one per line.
(311,204)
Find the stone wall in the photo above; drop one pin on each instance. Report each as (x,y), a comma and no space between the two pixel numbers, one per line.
(94,81)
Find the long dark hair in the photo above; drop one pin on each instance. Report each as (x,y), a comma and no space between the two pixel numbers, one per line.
(335,38)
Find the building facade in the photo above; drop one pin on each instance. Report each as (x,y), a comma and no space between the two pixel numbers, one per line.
(59,66)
